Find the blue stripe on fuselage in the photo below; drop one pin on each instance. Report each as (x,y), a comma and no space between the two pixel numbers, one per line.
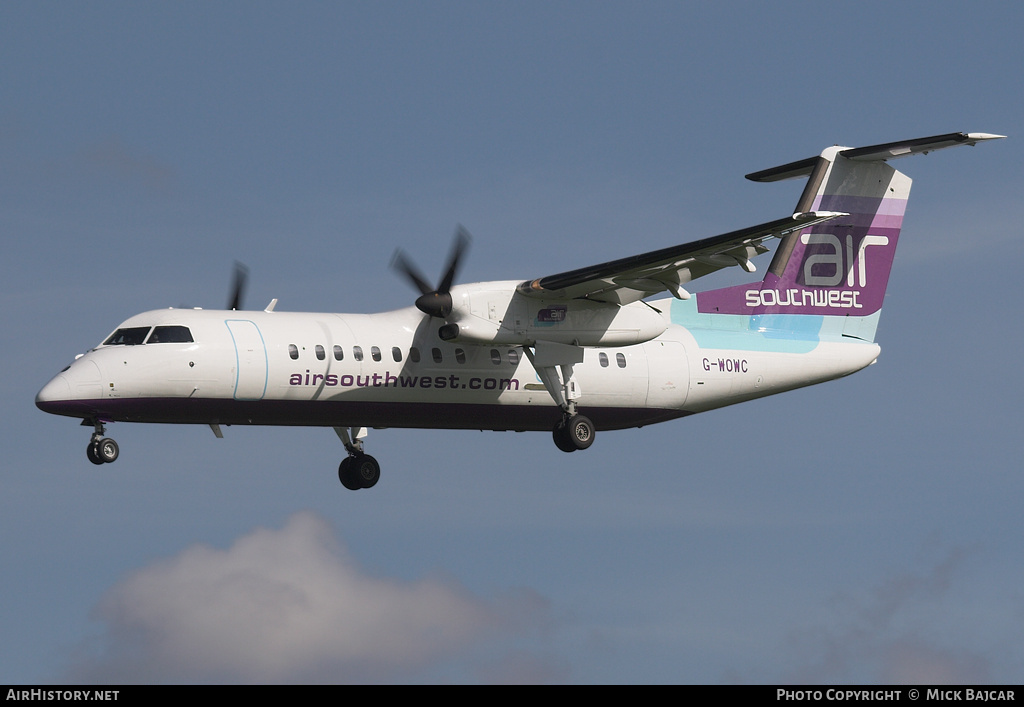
(784,333)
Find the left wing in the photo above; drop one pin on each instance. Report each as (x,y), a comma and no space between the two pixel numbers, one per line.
(630,279)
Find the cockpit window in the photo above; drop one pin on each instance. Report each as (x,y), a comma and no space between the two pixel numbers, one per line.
(128,336)
(170,335)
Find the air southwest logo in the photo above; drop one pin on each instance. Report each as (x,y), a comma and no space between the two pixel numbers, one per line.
(841,260)
(376,380)
(550,316)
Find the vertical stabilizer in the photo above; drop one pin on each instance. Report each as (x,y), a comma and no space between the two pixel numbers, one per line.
(839,268)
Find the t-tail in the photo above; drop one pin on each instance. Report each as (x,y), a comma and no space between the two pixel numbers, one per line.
(839,268)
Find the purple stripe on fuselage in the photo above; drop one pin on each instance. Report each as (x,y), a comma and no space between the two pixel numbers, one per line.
(335,413)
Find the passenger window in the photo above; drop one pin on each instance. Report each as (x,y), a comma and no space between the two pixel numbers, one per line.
(320,354)
(293,352)
(436,353)
(396,353)
(513,357)
(603,358)
(357,353)
(339,353)
(460,355)
(375,353)
(414,354)
(496,357)
(620,360)
(170,335)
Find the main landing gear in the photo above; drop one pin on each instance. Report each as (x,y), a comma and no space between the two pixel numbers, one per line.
(101,450)
(554,365)
(358,470)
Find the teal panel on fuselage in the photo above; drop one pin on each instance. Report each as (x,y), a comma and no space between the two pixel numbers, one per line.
(784,333)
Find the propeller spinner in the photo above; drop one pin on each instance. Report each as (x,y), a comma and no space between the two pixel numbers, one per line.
(435,302)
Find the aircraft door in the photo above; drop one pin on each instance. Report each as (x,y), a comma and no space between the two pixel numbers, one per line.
(250,359)
(668,376)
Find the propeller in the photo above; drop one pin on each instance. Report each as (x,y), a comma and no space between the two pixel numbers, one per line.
(238,286)
(435,302)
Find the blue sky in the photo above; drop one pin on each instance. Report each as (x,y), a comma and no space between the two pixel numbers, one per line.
(865,530)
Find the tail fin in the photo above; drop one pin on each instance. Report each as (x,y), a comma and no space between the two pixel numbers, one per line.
(839,268)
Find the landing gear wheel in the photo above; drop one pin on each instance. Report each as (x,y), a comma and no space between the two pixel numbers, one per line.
(367,470)
(580,431)
(577,432)
(106,450)
(90,452)
(102,451)
(561,436)
(358,472)
(347,475)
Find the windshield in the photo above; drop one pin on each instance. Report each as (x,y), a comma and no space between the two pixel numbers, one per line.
(128,336)
(170,335)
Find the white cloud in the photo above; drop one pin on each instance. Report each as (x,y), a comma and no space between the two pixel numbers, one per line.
(893,634)
(287,605)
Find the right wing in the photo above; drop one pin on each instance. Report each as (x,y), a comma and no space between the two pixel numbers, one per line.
(630,279)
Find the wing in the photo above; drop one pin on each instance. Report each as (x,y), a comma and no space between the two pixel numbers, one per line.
(630,279)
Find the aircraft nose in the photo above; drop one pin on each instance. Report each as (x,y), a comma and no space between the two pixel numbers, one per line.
(58,390)
(70,391)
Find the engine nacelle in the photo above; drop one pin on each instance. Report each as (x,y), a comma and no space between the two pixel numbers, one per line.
(506,317)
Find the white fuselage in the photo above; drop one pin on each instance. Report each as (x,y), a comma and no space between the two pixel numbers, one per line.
(392,370)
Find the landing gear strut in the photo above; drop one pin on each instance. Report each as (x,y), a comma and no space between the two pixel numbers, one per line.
(554,365)
(101,450)
(358,470)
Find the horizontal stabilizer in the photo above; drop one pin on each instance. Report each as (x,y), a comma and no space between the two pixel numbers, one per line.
(885,151)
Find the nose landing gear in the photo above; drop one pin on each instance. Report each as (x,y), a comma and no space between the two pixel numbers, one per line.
(101,450)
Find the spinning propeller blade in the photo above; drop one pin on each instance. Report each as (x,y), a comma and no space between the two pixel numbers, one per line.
(435,302)
(238,286)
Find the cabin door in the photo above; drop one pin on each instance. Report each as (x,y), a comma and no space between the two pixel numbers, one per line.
(250,359)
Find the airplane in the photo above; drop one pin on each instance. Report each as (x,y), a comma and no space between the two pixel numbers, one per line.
(573,353)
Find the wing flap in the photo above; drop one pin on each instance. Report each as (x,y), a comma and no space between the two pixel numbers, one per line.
(633,278)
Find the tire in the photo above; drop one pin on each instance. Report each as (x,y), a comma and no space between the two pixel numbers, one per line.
(367,470)
(107,451)
(561,436)
(347,475)
(580,431)
(90,452)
